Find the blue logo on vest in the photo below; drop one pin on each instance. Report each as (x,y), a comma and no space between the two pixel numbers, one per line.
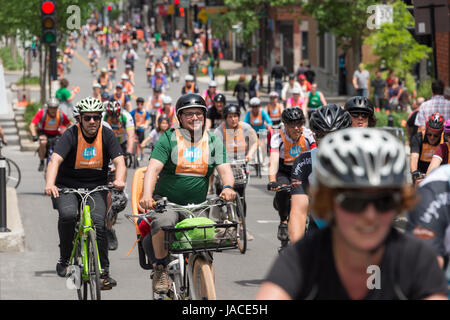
(89,153)
(295,151)
(52,122)
(192,154)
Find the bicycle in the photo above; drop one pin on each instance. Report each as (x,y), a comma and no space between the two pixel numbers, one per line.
(84,264)
(285,188)
(190,266)
(51,142)
(241,178)
(13,174)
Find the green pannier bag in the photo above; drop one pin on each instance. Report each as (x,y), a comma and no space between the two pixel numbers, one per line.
(186,238)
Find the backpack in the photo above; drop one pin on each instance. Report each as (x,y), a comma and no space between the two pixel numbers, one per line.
(44,116)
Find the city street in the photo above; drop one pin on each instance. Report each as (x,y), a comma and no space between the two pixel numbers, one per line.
(31,274)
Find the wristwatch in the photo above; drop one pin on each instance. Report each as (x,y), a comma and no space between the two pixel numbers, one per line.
(227,186)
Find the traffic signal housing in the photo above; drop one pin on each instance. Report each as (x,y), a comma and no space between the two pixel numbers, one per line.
(48,19)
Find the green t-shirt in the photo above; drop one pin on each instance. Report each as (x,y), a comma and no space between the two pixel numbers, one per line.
(182,189)
(62,94)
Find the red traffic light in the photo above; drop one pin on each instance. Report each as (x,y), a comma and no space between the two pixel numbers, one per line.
(109,8)
(176,2)
(47,7)
(182,12)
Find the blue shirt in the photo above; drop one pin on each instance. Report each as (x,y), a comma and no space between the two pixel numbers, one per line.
(144,112)
(175,55)
(163,79)
(265,120)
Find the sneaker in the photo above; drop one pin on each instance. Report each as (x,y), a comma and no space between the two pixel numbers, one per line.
(61,267)
(113,243)
(41,166)
(283,233)
(107,282)
(250,237)
(160,279)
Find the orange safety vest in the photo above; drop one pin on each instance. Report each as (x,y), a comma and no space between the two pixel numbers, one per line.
(234,141)
(117,128)
(292,150)
(256,121)
(170,115)
(103,80)
(428,150)
(155,101)
(274,111)
(52,124)
(192,157)
(297,103)
(140,118)
(89,155)
(448,147)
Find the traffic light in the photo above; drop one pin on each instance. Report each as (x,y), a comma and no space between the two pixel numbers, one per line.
(48,18)
(182,12)
(421,30)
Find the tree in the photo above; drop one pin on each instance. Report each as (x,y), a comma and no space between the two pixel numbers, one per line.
(394,46)
(347,20)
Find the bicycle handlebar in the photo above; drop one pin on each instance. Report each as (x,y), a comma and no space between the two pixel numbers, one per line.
(86,191)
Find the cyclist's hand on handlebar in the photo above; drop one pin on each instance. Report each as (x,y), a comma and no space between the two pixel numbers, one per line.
(52,191)
(146,203)
(273,186)
(119,185)
(228,194)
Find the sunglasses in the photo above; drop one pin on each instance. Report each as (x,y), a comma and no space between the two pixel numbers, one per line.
(294,124)
(433,135)
(363,115)
(357,202)
(88,118)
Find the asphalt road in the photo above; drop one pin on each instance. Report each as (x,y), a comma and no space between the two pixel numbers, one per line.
(31,274)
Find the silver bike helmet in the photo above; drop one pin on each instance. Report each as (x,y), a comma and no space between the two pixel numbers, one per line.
(361,158)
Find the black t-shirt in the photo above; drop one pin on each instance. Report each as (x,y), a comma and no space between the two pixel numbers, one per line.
(411,121)
(214,116)
(278,72)
(416,147)
(409,269)
(301,172)
(66,147)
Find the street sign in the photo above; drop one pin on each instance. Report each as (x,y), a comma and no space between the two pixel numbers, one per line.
(203,16)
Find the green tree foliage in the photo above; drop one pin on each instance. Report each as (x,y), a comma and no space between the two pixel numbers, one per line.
(394,46)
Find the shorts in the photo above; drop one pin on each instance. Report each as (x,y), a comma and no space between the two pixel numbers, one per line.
(168,218)
(141,135)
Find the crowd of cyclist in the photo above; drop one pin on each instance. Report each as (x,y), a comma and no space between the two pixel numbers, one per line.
(339,182)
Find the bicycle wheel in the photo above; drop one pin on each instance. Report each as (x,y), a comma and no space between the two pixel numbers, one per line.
(203,280)
(78,263)
(242,228)
(93,267)
(13,174)
(258,162)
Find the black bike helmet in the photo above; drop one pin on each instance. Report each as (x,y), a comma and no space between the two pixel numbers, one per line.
(359,103)
(292,114)
(190,100)
(220,98)
(231,108)
(140,99)
(329,118)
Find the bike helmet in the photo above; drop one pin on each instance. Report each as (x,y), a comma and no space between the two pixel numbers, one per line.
(119,200)
(329,118)
(447,126)
(113,108)
(361,158)
(188,77)
(90,104)
(140,99)
(212,84)
(273,94)
(359,103)
(220,98)
(231,108)
(292,114)
(190,100)
(75,112)
(255,102)
(167,100)
(435,122)
(52,103)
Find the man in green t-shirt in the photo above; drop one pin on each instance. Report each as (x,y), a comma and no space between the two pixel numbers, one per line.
(180,166)
(65,97)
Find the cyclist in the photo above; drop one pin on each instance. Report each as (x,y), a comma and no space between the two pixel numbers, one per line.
(126,84)
(424,145)
(123,98)
(296,100)
(190,86)
(155,134)
(286,145)
(93,57)
(440,157)
(260,122)
(324,120)
(214,115)
(97,90)
(183,175)
(286,93)
(362,112)
(130,74)
(210,93)
(159,79)
(168,111)
(239,138)
(314,99)
(112,66)
(122,125)
(430,219)
(48,122)
(69,169)
(274,109)
(142,121)
(104,81)
(154,103)
(360,255)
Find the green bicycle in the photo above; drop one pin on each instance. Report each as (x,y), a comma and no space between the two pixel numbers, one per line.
(84,263)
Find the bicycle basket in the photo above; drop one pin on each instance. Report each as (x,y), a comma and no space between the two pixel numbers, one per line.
(200,234)
(240,174)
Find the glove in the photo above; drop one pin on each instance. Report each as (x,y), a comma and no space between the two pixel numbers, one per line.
(35,138)
(416,175)
(273,185)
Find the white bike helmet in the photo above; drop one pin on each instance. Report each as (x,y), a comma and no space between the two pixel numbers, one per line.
(90,104)
(254,102)
(361,158)
(167,100)
(75,112)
